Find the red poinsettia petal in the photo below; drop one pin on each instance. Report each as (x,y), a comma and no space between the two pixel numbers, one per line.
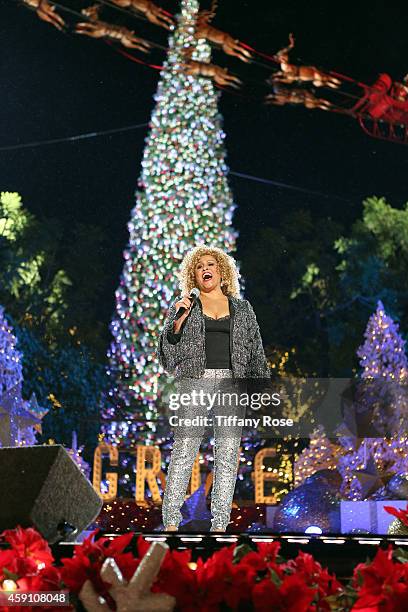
(117,545)
(269,550)
(142,546)
(127,565)
(402,515)
(28,542)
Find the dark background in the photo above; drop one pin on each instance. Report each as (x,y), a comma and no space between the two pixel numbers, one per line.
(56,85)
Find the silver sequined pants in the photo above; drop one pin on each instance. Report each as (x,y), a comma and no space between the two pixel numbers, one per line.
(186,445)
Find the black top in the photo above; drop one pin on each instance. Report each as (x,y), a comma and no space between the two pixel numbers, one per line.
(217,342)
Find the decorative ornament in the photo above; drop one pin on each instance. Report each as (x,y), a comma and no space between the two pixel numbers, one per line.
(290,73)
(357,422)
(313,503)
(100,29)
(36,411)
(397,527)
(397,488)
(151,11)
(282,95)
(371,478)
(134,596)
(219,75)
(34,408)
(196,516)
(328,478)
(230,45)
(17,425)
(46,12)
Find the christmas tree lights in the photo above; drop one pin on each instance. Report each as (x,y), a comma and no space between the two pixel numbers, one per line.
(19,419)
(11,370)
(382,356)
(183,200)
(320,454)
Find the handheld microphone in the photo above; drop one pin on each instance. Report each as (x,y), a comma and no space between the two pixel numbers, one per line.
(194,293)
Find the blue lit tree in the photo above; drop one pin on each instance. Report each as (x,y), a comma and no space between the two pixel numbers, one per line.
(18,419)
(11,371)
(382,357)
(383,352)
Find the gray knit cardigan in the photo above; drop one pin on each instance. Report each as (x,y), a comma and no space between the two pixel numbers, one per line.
(183,354)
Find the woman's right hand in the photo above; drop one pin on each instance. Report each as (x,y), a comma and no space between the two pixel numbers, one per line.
(184,302)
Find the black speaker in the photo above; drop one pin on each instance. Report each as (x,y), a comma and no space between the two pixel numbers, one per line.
(42,487)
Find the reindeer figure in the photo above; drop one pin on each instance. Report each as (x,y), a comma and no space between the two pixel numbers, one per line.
(46,12)
(229,45)
(100,29)
(283,96)
(290,73)
(151,11)
(219,75)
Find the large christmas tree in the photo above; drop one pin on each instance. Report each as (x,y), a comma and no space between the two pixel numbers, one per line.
(19,419)
(369,463)
(183,200)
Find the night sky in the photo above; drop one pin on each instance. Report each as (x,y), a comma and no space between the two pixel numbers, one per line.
(56,85)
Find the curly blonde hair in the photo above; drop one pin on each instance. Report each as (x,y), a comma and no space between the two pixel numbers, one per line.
(226,265)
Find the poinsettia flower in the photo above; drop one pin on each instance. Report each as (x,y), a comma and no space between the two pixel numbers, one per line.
(7,561)
(290,595)
(254,562)
(221,581)
(402,515)
(28,583)
(381,584)
(89,557)
(269,551)
(28,543)
(76,571)
(50,579)
(397,601)
(314,574)
(11,563)
(24,567)
(127,564)
(142,546)
(116,546)
(176,578)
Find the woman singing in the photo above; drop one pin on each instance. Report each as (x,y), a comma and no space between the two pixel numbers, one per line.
(216,337)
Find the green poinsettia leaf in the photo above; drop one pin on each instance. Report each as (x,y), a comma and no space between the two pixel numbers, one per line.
(360,579)
(401,555)
(342,602)
(274,577)
(240,551)
(10,575)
